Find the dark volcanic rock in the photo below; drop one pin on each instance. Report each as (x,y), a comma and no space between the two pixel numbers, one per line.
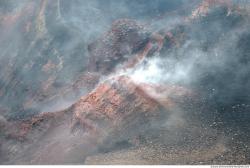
(125,38)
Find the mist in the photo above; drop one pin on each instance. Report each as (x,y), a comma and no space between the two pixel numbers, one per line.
(45,45)
(54,54)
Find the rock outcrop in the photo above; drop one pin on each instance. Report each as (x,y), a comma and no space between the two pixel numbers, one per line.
(118,110)
(110,114)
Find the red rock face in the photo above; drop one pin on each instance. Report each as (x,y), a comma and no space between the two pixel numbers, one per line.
(116,106)
(113,103)
(207,5)
(116,110)
(127,43)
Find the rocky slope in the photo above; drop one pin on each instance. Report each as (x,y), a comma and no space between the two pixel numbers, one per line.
(117,111)
(143,94)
